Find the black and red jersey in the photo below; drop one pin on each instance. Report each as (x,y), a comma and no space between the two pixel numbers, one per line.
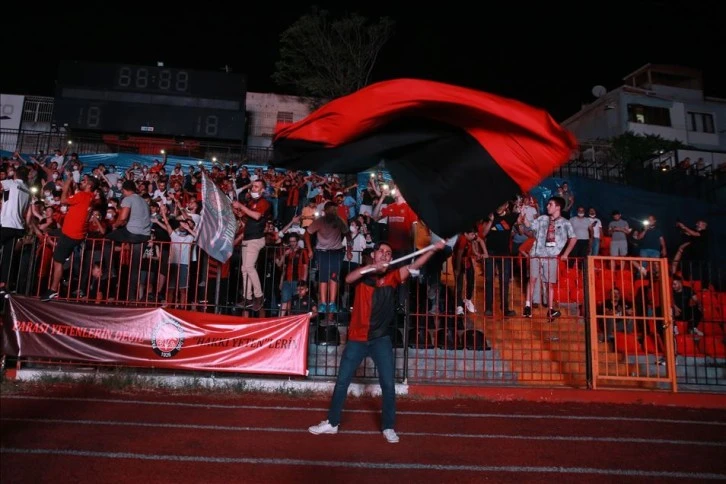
(255,229)
(296,265)
(374,307)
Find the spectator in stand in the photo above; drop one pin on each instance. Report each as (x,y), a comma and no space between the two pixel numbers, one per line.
(553,233)
(694,252)
(595,231)
(74,229)
(401,219)
(293,263)
(15,207)
(328,252)
(651,241)
(256,211)
(582,227)
(497,233)
(569,198)
(133,226)
(468,251)
(618,229)
(686,306)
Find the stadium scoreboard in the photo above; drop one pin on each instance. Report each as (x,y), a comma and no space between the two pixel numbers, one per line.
(135,99)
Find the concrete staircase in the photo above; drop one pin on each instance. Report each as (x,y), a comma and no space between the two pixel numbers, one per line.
(539,351)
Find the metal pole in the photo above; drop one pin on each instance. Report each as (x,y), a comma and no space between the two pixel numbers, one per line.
(217,285)
(586,314)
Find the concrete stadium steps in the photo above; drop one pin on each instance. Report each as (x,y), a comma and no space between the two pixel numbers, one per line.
(541,351)
(690,370)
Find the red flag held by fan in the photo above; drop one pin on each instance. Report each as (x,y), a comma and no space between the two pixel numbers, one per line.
(455,153)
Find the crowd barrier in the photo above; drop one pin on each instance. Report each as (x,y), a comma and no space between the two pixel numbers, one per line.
(462,326)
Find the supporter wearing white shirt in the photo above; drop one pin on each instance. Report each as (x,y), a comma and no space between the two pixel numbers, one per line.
(59,158)
(581,226)
(595,230)
(160,195)
(180,256)
(294,228)
(359,244)
(16,199)
(530,213)
(76,173)
(111,175)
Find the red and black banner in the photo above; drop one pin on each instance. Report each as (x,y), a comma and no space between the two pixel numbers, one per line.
(155,337)
(455,153)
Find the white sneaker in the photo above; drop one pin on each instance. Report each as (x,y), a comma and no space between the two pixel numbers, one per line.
(469,305)
(323,427)
(390,436)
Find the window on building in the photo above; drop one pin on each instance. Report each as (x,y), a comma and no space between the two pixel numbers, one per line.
(284,117)
(638,113)
(38,109)
(701,122)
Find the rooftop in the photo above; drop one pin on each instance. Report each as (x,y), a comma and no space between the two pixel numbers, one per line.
(649,75)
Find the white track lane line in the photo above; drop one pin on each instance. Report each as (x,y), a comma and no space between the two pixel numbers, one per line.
(237,428)
(365,465)
(398,412)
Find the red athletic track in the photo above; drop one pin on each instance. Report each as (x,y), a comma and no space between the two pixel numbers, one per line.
(76,434)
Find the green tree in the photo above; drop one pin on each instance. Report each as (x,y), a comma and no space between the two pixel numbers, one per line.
(325,58)
(633,150)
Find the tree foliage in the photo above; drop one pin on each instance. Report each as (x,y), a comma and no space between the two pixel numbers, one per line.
(325,57)
(634,149)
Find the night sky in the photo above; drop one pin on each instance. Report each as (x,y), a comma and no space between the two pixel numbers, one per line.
(550,58)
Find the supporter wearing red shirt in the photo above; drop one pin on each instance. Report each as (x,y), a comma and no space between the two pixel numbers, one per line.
(157,167)
(400,233)
(293,260)
(74,230)
(369,335)
(343,211)
(400,225)
(468,248)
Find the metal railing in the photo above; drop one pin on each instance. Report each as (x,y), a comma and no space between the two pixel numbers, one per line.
(451,327)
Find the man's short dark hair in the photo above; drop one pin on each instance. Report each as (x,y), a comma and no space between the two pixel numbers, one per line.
(93,181)
(378,245)
(129,186)
(559,201)
(22,172)
(291,235)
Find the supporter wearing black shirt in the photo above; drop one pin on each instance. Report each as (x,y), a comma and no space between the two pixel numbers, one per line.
(498,233)
(303,302)
(256,212)
(686,306)
(694,252)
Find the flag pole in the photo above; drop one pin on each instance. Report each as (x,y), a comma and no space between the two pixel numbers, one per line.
(401,259)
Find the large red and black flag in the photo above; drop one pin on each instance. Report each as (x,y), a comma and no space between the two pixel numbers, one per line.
(455,153)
